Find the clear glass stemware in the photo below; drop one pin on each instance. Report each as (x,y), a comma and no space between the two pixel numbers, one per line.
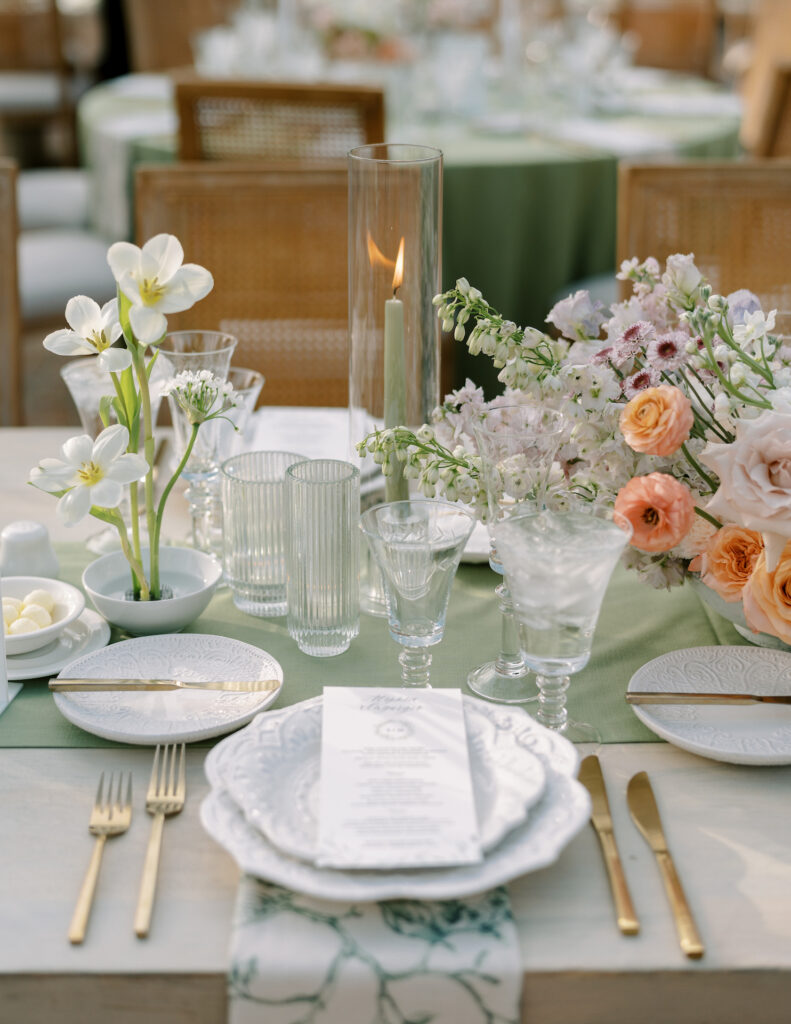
(557,566)
(417,545)
(517,445)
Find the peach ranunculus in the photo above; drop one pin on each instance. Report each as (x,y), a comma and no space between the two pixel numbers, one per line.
(657,421)
(728,562)
(767,597)
(659,508)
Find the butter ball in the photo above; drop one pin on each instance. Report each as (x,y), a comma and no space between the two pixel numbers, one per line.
(11,609)
(38,614)
(40,597)
(22,625)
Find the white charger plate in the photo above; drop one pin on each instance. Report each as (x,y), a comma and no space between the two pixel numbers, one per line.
(743,734)
(174,716)
(552,823)
(271,770)
(89,632)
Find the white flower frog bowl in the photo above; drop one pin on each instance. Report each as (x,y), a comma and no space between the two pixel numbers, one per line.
(191,575)
(69,604)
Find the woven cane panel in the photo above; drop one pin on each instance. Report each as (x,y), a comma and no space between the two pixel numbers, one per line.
(28,36)
(675,34)
(238,128)
(735,218)
(276,245)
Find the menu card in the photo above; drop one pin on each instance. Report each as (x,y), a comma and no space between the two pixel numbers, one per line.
(396,790)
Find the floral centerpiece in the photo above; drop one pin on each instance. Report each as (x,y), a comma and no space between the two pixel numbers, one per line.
(678,414)
(90,476)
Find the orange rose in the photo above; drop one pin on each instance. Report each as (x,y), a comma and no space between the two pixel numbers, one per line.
(728,562)
(767,597)
(659,508)
(657,421)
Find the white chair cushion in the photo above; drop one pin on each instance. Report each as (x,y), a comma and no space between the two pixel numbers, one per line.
(54,265)
(56,197)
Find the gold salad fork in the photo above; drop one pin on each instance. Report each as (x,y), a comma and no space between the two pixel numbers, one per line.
(166,793)
(108,818)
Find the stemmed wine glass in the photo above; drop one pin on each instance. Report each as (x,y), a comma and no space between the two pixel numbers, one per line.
(557,566)
(417,544)
(517,445)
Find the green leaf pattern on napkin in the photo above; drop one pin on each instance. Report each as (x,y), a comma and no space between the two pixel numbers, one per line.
(300,960)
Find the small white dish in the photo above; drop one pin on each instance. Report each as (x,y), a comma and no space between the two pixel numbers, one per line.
(272,768)
(744,734)
(87,633)
(69,603)
(182,716)
(553,822)
(192,575)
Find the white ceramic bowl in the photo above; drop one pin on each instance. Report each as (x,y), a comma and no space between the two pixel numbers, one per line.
(192,575)
(69,603)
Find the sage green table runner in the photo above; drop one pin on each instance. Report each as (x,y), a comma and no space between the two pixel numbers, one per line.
(636,625)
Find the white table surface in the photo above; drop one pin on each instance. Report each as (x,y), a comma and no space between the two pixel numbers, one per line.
(728,826)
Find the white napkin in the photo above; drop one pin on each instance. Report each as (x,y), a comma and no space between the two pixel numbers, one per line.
(295,958)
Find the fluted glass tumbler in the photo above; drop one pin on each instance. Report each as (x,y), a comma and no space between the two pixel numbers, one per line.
(323,555)
(254,529)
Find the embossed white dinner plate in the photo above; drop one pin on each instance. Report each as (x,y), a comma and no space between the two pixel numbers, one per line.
(552,823)
(89,632)
(174,716)
(271,770)
(743,734)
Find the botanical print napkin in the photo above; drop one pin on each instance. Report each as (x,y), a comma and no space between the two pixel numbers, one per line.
(300,960)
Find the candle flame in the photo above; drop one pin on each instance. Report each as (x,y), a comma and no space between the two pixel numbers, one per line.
(398,273)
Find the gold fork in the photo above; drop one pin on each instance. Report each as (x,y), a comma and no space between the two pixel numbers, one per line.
(108,818)
(166,792)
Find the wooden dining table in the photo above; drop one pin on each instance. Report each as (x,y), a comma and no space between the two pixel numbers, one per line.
(728,827)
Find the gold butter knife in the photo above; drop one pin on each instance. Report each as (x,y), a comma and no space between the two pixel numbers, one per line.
(664,697)
(592,779)
(645,814)
(100,685)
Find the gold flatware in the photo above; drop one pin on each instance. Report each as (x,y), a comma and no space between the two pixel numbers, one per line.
(645,814)
(663,697)
(225,685)
(591,777)
(108,818)
(165,796)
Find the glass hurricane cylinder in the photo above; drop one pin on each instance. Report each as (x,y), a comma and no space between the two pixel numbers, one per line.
(395,203)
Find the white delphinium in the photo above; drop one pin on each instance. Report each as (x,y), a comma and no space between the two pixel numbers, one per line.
(578,317)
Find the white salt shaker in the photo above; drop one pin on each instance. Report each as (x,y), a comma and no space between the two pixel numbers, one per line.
(26,550)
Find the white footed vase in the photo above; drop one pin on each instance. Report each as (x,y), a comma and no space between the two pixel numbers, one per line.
(734,613)
(191,577)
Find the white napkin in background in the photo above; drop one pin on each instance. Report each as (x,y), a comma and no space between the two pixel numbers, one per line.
(296,958)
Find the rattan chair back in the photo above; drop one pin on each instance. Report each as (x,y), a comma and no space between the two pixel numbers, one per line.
(275,239)
(735,217)
(160,32)
(679,35)
(242,120)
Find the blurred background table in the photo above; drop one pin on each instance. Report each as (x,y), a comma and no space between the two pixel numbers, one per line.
(529,197)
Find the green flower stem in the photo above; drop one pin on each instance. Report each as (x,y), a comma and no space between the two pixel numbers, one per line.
(709,518)
(727,384)
(725,334)
(148,451)
(698,468)
(166,493)
(138,573)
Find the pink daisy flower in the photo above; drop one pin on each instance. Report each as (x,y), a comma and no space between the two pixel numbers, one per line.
(645,378)
(668,351)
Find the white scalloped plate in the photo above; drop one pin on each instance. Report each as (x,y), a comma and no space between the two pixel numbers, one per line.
(271,771)
(744,734)
(182,716)
(553,822)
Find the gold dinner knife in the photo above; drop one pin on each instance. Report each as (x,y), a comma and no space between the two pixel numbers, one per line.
(645,814)
(592,779)
(100,685)
(665,697)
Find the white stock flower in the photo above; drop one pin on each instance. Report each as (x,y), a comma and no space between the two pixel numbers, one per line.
(92,330)
(753,327)
(156,281)
(90,472)
(577,317)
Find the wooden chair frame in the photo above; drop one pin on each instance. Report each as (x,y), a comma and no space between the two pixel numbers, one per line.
(10,376)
